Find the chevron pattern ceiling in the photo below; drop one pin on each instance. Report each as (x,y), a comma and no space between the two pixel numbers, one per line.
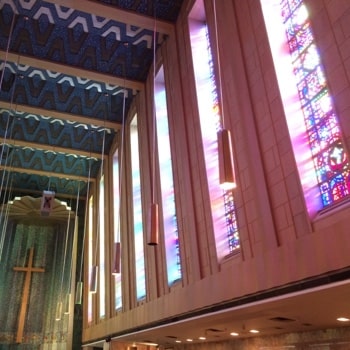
(69,72)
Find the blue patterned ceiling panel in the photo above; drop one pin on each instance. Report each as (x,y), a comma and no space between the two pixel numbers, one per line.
(68,78)
(167,10)
(50,161)
(52,32)
(60,92)
(54,132)
(23,182)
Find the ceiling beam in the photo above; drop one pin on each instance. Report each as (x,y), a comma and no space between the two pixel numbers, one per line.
(46,147)
(60,115)
(46,174)
(116,14)
(73,71)
(58,195)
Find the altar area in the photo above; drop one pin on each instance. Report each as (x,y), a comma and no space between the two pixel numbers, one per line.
(37,274)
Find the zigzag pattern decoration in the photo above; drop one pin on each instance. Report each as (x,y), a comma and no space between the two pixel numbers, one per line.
(51,161)
(61,78)
(22,181)
(73,44)
(34,128)
(85,98)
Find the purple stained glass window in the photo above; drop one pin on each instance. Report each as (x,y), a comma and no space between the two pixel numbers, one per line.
(229,204)
(330,160)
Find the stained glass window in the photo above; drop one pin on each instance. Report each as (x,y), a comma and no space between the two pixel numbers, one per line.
(171,236)
(322,128)
(116,215)
(101,232)
(137,212)
(222,202)
(91,256)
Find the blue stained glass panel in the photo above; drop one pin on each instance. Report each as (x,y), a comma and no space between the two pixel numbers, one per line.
(323,131)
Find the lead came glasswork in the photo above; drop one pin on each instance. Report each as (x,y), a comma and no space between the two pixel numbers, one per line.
(329,157)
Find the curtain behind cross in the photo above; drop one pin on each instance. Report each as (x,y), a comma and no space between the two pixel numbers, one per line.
(52,245)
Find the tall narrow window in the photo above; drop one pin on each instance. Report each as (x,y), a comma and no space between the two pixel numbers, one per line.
(222,202)
(313,124)
(101,233)
(116,215)
(166,182)
(91,251)
(137,212)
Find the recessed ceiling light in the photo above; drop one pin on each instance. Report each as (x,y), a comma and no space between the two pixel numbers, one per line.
(343,319)
(189,339)
(234,334)
(177,341)
(254,331)
(202,338)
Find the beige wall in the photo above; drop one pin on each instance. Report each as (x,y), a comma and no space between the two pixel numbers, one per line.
(276,232)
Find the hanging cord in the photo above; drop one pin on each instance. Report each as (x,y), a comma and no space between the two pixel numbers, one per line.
(86,214)
(12,93)
(8,48)
(69,288)
(121,158)
(98,231)
(5,222)
(154,106)
(6,195)
(219,67)
(64,264)
(8,124)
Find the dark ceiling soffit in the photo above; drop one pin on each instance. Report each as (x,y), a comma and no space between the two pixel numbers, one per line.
(323,280)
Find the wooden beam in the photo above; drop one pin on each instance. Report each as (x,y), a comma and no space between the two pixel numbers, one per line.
(73,71)
(47,174)
(58,195)
(46,147)
(60,115)
(113,13)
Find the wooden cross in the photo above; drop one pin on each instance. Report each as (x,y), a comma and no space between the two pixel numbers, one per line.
(25,295)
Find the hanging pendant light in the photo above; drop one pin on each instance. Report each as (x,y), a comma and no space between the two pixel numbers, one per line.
(93,279)
(79,287)
(6,190)
(153,231)
(58,311)
(226,170)
(153,237)
(95,267)
(117,245)
(116,259)
(67,304)
(227,178)
(60,304)
(79,293)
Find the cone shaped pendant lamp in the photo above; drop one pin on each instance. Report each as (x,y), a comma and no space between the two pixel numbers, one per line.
(79,293)
(93,279)
(226,170)
(116,258)
(227,178)
(153,236)
(116,269)
(79,286)
(153,229)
